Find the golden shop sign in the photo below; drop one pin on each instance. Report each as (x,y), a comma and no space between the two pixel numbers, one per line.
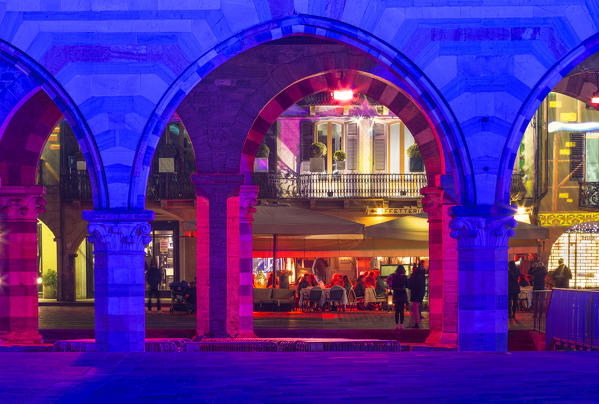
(410,210)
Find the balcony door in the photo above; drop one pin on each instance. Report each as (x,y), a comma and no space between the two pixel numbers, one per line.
(331,134)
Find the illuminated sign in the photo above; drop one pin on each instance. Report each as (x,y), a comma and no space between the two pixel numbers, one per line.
(408,210)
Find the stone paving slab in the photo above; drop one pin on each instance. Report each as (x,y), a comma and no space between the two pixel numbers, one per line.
(450,377)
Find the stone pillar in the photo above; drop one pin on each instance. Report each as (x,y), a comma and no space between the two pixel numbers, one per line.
(442,269)
(19,209)
(119,237)
(248,198)
(482,233)
(217,254)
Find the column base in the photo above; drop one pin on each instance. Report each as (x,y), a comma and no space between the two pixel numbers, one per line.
(21,338)
(440,338)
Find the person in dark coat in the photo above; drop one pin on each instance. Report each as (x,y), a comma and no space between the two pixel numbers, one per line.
(513,289)
(417,286)
(561,275)
(359,287)
(538,273)
(398,282)
(154,277)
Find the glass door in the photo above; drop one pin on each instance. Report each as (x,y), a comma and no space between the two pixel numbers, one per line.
(164,251)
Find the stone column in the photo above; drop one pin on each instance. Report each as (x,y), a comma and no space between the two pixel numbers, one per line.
(119,237)
(482,233)
(217,254)
(248,198)
(442,269)
(19,209)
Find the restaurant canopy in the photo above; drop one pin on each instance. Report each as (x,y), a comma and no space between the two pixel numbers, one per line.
(287,220)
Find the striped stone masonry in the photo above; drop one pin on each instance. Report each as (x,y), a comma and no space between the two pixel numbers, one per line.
(119,237)
(19,208)
(482,234)
(442,268)
(218,254)
(248,198)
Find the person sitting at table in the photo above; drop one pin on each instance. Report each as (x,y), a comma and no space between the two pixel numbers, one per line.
(335,280)
(346,284)
(312,280)
(370,280)
(303,283)
(380,288)
(359,287)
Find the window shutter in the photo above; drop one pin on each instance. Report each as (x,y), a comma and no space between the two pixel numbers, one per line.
(351,146)
(577,155)
(380,147)
(307,138)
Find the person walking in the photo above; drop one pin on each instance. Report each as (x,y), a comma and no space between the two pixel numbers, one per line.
(416,284)
(513,289)
(154,277)
(398,282)
(561,275)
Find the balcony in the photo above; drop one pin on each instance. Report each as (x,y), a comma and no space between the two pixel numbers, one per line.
(339,186)
(588,196)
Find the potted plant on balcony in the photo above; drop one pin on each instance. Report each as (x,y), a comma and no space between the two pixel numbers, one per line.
(261,161)
(416,163)
(317,152)
(340,157)
(49,282)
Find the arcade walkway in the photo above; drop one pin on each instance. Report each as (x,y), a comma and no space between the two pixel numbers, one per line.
(536,377)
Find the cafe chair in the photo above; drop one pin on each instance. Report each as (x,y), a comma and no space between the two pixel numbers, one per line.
(315,297)
(336,299)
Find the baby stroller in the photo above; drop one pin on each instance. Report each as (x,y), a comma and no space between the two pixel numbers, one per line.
(180,297)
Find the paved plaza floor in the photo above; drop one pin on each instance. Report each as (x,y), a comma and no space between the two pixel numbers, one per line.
(423,377)
(82,317)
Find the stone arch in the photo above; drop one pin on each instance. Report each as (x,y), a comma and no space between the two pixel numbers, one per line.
(376,88)
(37,82)
(410,80)
(549,80)
(24,139)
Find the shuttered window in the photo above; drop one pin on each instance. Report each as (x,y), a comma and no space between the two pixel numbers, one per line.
(307,138)
(380,147)
(351,146)
(577,155)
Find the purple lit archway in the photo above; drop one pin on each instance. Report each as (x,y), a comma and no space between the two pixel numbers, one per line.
(551,78)
(390,65)
(376,88)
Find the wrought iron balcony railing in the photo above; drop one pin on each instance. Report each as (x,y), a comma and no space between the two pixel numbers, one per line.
(76,186)
(588,196)
(340,186)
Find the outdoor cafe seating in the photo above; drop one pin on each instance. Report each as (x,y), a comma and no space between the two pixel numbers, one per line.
(315,298)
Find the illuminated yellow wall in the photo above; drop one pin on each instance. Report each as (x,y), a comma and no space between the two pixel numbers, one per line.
(80,273)
(49,253)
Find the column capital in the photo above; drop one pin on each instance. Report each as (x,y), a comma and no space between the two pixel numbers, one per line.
(217,185)
(248,198)
(19,202)
(492,229)
(119,230)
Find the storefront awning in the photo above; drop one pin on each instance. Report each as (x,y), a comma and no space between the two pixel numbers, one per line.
(286,220)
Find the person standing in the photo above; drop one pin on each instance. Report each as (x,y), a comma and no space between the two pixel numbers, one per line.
(398,282)
(154,277)
(561,275)
(538,273)
(416,284)
(513,289)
